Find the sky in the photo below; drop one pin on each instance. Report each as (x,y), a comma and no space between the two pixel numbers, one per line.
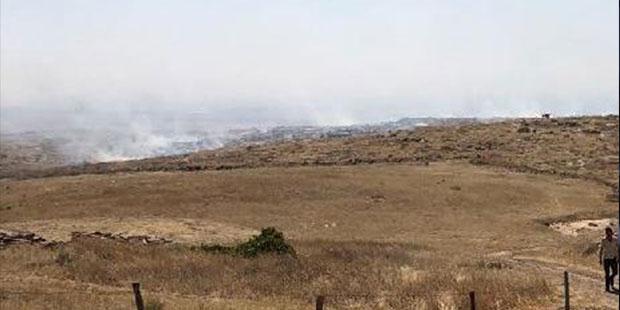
(323,62)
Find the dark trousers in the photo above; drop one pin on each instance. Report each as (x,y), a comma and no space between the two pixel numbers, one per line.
(611,270)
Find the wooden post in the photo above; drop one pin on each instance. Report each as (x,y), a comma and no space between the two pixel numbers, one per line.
(472,300)
(566,292)
(319,302)
(136,293)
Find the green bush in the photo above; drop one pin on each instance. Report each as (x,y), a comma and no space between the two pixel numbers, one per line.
(270,240)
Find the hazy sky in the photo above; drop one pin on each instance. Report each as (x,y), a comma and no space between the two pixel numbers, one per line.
(330,61)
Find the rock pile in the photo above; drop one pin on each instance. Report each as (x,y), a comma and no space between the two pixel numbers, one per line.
(22,237)
(9,237)
(143,239)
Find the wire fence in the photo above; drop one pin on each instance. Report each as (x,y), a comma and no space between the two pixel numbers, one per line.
(320,300)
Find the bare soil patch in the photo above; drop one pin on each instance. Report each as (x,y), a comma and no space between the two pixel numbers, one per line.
(580,227)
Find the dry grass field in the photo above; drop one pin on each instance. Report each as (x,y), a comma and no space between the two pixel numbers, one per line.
(373,234)
(416,233)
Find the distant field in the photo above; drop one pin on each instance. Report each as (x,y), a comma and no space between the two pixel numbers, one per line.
(382,231)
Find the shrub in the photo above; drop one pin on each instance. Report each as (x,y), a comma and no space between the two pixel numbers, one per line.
(270,240)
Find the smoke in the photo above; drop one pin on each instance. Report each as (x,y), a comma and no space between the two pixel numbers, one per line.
(109,80)
(96,135)
(138,139)
(99,133)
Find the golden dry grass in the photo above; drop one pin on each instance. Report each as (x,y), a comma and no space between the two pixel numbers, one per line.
(374,202)
(388,231)
(351,274)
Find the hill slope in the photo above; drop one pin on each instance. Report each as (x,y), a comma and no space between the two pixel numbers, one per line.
(585,147)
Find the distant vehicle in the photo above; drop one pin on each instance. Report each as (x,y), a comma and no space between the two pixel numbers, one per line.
(546,115)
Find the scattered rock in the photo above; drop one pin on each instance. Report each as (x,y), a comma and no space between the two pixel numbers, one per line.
(569,124)
(591,131)
(377,198)
(524,129)
(8,237)
(139,239)
(181,230)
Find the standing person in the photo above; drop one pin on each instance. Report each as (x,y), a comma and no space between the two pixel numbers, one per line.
(608,257)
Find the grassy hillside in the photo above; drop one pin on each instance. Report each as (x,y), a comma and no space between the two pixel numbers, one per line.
(582,146)
(403,220)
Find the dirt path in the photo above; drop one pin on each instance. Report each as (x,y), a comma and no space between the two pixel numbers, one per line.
(586,285)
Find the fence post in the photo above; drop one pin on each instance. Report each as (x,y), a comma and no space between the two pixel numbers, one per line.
(319,302)
(136,293)
(472,300)
(566,292)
